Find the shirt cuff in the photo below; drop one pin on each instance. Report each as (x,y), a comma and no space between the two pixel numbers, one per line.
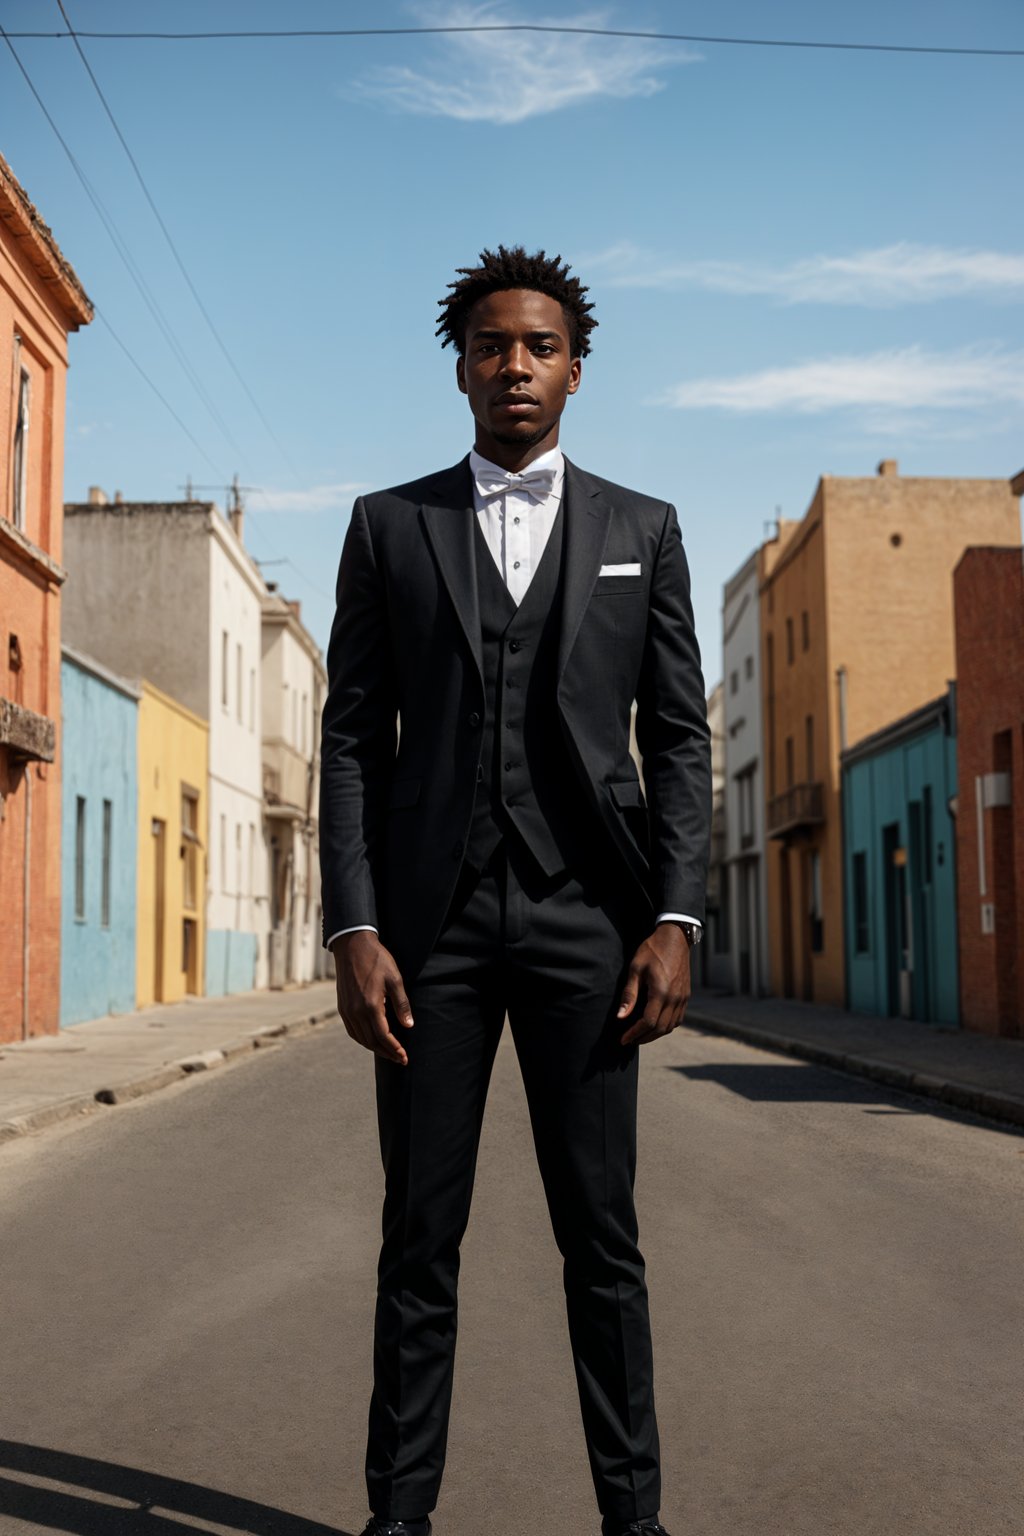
(359,928)
(678,917)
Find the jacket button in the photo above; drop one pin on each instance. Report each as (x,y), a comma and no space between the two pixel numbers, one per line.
(515,645)
(474,719)
(509,767)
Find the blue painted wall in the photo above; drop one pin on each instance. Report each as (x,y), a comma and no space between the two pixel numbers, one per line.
(98,762)
(230,962)
(890,788)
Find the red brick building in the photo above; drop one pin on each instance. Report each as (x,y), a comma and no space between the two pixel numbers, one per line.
(988,587)
(41,300)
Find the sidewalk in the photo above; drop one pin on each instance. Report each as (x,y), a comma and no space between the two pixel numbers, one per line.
(959,1068)
(111,1060)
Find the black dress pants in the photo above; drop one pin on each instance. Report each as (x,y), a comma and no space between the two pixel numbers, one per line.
(553,955)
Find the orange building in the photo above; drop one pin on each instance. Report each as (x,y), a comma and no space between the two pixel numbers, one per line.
(41,300)
(856,631)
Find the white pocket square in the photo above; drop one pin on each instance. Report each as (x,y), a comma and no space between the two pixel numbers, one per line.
(631,569)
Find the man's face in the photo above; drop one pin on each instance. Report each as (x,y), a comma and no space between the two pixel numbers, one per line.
(517,373)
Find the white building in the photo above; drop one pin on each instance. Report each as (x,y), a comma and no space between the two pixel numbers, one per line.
(166,591)
(294,682)
(744,867)
(713,968)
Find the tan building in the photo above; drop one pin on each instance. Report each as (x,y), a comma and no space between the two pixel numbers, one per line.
(294,683)
(172,849)
(857,630)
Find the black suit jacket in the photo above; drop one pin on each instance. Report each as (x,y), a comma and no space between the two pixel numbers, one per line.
(396,804)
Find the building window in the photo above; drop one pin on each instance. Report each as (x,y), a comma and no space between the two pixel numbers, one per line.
(817,915)
(745,791)
(80,858)
(224,854)
(769,658)
(734,682)
(805,624)
(790,649)
(790,763)
(224,668)
(284,715)
(20,457)
(108,815)
(238,683)
(748,667)
(190,847)
(928,831)
(809,747)
(860,904)
(295,718)
(252,698)
(252,859)
(305,721)
(238,858)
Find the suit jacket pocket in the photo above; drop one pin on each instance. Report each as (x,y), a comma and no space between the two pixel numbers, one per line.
(627,794)
(403,793)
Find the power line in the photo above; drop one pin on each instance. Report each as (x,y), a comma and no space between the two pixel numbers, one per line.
(123,251)
(527,26)
(173,248)
(162,398)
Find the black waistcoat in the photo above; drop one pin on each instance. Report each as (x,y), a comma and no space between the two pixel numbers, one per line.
(527,787)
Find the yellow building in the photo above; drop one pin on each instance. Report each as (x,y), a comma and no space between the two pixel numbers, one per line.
(171,930)
(856,631)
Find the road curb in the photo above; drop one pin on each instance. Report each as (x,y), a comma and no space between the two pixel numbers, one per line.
(978,1101)
(164,1076)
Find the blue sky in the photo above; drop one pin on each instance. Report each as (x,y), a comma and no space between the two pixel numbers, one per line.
(802,261)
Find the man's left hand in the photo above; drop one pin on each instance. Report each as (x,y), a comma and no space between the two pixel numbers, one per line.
(661,969)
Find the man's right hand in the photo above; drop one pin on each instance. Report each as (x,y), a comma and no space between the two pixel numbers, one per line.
(369,979)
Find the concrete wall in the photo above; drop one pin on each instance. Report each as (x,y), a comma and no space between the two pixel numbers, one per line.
(99,752)
(173,756)
(989,587)
(892,788)
(137,593)
(744,775)
(238,919)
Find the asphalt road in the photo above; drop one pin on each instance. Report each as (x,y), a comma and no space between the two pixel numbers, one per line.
(186,1292)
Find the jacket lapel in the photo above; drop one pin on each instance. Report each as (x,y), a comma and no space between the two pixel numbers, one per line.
(587,515)
(448,520)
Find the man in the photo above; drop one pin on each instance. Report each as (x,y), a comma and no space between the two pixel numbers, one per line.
(496,854)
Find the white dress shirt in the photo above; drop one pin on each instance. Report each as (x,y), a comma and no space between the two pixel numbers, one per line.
(516,522)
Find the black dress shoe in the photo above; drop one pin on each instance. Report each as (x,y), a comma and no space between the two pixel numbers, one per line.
(377,1525)
(649,1527)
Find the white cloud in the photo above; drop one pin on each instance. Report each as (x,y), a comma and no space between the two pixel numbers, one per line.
(909,379)
(894,274)
(317,498)
(507,77)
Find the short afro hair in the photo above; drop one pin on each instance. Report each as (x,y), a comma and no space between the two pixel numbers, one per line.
(513,268)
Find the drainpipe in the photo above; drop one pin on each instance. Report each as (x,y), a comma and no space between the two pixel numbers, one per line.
(841,680)
(27,896)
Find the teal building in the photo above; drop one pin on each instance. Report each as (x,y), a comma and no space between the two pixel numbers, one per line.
(99,839)
(899,867)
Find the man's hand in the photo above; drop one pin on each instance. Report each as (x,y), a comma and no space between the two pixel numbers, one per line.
(369,979)
(661,967)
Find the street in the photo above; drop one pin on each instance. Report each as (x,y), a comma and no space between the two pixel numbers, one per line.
(835,1276)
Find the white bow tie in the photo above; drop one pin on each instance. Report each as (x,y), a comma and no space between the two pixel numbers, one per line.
(537,483)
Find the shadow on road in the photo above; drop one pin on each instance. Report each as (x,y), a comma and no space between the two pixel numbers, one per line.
(99,1498)
(801,1083)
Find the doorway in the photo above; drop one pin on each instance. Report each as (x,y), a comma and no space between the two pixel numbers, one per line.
(159,831)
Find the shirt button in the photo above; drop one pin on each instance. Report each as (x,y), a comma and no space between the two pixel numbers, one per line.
(515,645)
(515,565)
(474,718)
(515,519)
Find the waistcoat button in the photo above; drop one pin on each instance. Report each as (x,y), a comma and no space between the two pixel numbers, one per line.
(515,645)
(474,718)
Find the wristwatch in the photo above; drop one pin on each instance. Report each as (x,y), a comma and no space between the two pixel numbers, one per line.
(694,933)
